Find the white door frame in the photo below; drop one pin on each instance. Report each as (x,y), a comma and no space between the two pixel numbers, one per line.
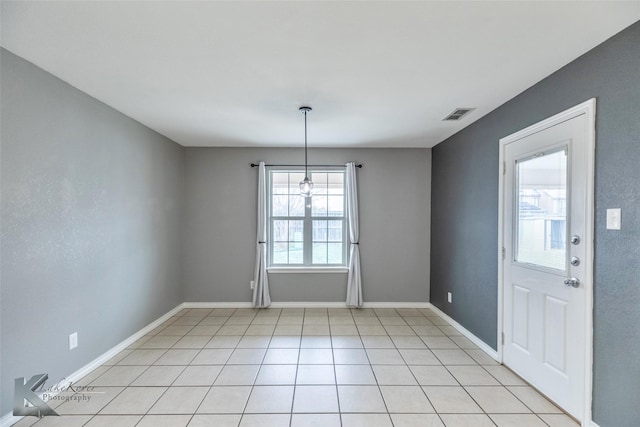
(587,108)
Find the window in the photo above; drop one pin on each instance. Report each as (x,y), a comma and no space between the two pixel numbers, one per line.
(307,232)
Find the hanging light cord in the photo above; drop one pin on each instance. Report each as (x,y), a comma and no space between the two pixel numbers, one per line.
(305,144)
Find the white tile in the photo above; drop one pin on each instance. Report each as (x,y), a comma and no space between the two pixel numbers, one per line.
(472,375)
(361,399)
(346,342)
(315,420)
(504,375)
(179,400)
(384,356)
(253,341)
(366,420)
(534,400)
(114,421)
(212,356)
(467,420)
(63,421)
(164,421)
(225,400)
(454,357)
(119,376)
(355,375)
(374,341)
(517,420)
(434,342)
(277,375)
(481,357)
(416,420)
(315,399)
(400,330)
(177,357)
(315,375)
(350,356)
(237,375)
(265,420)
(246,356)
(419,357)
(192,341)
(86,403)
(160,342)
(496,400)
(285,341)
(270,399)
(451,400)
(406,399)
(316,342)
(225,341)
(281,356)
(408,342)
(559,420)
(215,421)
(158,376)
(203,375)
(393,375)
(134,401)
(317,356)
(142,357)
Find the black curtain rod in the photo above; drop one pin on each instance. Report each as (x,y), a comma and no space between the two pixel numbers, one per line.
(253,165)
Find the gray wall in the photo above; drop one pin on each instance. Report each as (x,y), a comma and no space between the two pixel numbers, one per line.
(220,225)
(91,217)
(465,212)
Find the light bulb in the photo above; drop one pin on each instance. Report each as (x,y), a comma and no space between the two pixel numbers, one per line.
(305,187)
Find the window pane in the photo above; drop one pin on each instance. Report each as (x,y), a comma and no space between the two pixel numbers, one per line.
(541,204)
(319,253)
(279,183)
(318,205)
(336,206)
(279,205)
(319,183)
(296,205)
(336,183)
(319,231)
(335,231)
(280,252)
(296,231)
(280,231)
(295,253)
(334,253)
(294,182)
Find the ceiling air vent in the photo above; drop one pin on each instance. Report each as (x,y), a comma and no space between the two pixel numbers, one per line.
(458,113)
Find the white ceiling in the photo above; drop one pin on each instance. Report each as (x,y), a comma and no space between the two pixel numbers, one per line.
(377,74)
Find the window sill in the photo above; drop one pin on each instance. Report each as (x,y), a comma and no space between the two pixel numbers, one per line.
(305,270)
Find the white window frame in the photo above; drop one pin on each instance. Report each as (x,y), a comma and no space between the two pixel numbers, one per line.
(307,266)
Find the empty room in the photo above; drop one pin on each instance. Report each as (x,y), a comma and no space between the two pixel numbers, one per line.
(320,213)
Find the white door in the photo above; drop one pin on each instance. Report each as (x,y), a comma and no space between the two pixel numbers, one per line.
(547,265)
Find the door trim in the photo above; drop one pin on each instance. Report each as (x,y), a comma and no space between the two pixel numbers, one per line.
(588,108)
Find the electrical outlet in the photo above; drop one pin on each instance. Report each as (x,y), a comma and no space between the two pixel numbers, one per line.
(449,297)
(614,219)
(252,284)
(73,340)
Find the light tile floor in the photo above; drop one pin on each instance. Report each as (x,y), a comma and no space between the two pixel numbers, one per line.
(301,368)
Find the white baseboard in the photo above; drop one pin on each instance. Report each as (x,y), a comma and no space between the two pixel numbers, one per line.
(593,424)
(9,419)
(307,304)
(464,331)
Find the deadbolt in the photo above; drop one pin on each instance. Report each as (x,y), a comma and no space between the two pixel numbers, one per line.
(575,240)
(575,261)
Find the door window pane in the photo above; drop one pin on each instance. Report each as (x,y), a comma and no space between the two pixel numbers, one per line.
(541,234)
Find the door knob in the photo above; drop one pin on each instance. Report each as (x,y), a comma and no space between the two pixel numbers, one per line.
(573,282)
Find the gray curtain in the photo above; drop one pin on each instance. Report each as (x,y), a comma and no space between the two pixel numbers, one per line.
(261,296)
(354,281)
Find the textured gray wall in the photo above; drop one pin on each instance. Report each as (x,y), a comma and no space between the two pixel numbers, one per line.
(465,212)
(91,217)
(219,247)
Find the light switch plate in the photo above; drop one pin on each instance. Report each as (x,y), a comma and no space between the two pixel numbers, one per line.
(614,220)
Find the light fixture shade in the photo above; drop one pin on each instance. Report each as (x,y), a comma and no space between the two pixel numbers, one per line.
(305,187)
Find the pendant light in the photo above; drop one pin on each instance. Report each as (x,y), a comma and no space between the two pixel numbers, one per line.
(305,185)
